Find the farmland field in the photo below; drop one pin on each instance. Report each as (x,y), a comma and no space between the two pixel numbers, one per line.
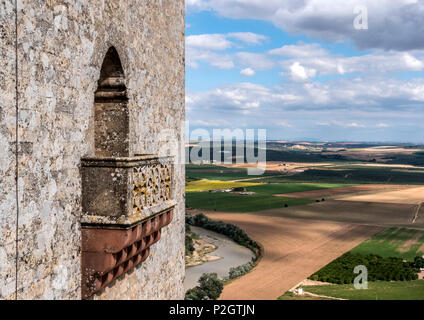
(292,296)
(353,176)
(311,173)
(409,195)
(380,290)
(279,188)
(315,202)
(293,250)
(336,193)
(394,242)
(217,175)
(230,202)
(263,198)
(206,185)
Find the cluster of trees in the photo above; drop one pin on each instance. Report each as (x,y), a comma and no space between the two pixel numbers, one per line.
(241,270)
(419,262)
(235,233)
(340,271)
(209,288)
(189,246)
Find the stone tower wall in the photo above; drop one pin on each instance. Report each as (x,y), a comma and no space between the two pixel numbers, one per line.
(61,45)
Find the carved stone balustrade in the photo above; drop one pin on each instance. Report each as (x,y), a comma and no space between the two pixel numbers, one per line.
(124,191)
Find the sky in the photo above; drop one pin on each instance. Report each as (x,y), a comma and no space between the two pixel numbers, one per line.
(320,70)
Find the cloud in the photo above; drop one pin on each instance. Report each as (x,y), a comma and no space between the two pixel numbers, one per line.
(208,47)
(300,62)
(221,61)
(357,109)
(298,73)
(232,97)
(354,125)
(382,125)
(393,25)
(208,42)
(282,123)
(248,37)
(300,50)
(248,72)
(319,61)
(256,61)
(368,97)
(365,95)
(196,5)
(342,124)
(412,63)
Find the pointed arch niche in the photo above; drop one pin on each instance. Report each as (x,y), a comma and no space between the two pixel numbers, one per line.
(111,119)
(126,200)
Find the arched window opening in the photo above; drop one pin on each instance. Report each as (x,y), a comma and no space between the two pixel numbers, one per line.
(111,133)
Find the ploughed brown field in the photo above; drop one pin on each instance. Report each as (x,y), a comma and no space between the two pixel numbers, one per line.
(411,195)
(293,250)
(300,240)
(380,152)
(279,166)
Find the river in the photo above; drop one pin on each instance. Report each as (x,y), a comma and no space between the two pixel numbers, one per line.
(232,254)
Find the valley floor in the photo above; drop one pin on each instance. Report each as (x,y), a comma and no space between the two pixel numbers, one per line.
(300,240)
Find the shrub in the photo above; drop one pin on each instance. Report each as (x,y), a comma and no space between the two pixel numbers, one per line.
(189,247)
(209,288)
(419,262)
(240,270)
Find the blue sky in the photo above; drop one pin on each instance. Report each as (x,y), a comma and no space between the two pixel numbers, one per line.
(301,70)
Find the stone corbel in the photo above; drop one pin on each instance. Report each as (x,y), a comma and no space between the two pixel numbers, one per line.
(109,253)
(126,202)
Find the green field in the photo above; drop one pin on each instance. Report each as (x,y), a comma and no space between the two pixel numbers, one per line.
(195,167)
(320,152)
(394,242)
(262,200)
(214,177)
(280,188)
(230,202)
(206,185)
(270,189)
(351,174)
(291,296)
(212,174)
(381,290)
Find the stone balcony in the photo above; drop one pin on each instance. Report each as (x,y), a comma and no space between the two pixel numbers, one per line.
(121,192)
(126,202)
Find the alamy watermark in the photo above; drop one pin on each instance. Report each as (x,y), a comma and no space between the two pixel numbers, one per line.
(361,20)
(361,281)
(245,147)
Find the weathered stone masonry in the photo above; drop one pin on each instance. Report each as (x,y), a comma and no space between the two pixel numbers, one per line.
(62,46)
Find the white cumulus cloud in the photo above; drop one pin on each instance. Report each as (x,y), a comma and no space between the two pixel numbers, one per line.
(299,73)
(248,72)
